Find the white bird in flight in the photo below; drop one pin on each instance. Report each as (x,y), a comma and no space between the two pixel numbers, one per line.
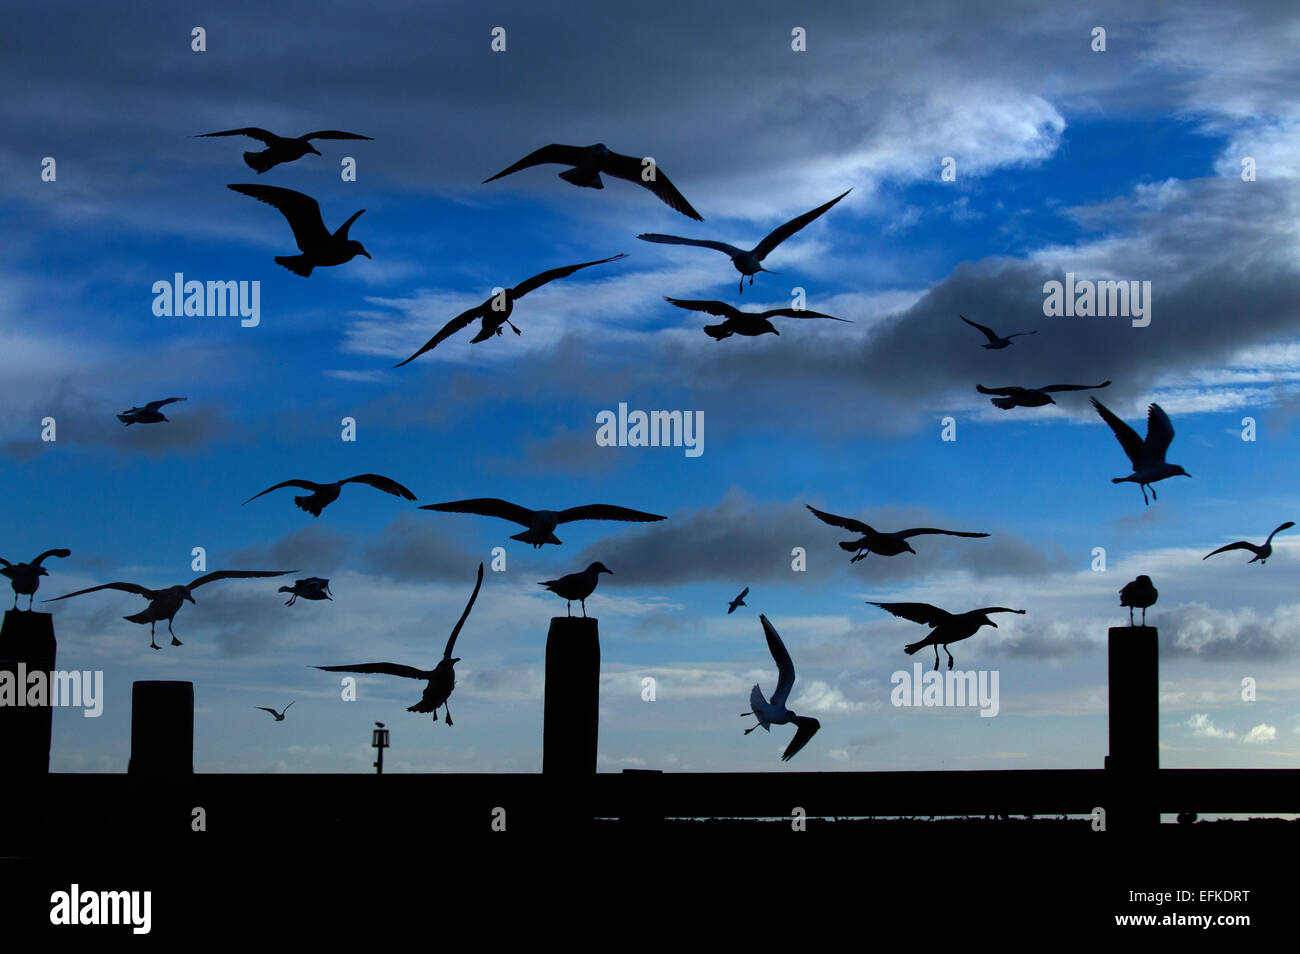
(774,712)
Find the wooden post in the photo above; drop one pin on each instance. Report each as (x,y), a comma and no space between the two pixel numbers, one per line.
(162,728)
(570,716)
(28,645)
(1134,678)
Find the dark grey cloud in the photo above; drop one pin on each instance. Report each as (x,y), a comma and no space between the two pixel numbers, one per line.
(411,548)
(315,550)
(1198,630)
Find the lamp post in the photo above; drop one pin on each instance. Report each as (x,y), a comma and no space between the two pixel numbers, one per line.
(379,741)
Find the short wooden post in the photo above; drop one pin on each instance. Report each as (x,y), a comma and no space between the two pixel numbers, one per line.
(162,728)
(27,646)
(1134,678)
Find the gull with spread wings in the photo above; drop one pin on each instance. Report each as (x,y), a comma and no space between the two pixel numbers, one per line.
(25,578)
(995,343)
(1013,396)
(322,495)
(1262,553)
(946,627)
(164,604)
(749,324)
(774,712)
(589,162)
(319,247)
(876,541)
(748,262)
(279,716)
(541,524)
(1147,457)
(280,148)
(441,679)
(149,414)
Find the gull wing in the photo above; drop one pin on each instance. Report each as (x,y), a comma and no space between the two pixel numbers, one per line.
(487,507)
(784,665)
(252,132)
(301,211)
(1284,526)
(917,531)
(541,278)
(798,313)
(555,152)
(333,134)
(1239,545)
(630,169)
(916,612)
(988,332)
(1160,432)
(63,552)
(154,405)
(1127,437)
(463,320)
(846,523)
(235,575)
(606,512)
(265,709)
(388,669)
(380,482)
(1008,390)
(808,727)
(304,484)
(451,641)
(1051,388)
(126,587)
(719,308)
(998,609)
(781,233)
(660,239)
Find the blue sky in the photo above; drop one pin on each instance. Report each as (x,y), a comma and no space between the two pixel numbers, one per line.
(1123,164)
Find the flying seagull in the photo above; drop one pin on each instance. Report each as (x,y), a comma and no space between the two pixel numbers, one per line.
(995,343)
(280,148)
(774,712)
(1033,397)
(1139,594)
(1261,553)
(441,679)
(1147,457)
(166,603)
(496,311)
(312,588)
(322,495)
(577,586)
(738,601)
(947,627)
(874,541)
(279,716)
(590,161)
(748,263)
(319,248)
(541,524)
(149,414)
(25,578)
(749,324)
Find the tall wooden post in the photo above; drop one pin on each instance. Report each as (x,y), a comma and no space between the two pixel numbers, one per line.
(162,728)
(570,712)
(27,645)
(1134,677)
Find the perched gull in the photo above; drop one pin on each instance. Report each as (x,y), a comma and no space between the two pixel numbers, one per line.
(738,601)
(1139,594)
(149,414)
(748,263)
(1147,457)
(279,716)
(25,578)
(590,161)
(947,627)
(747,323)
(995,343)
(166,603)
(319,248)
(322,495)
(577,586)
(541,524)
(1033,397)
(874,541)
(774,712)
(280,148)
(441,679)
(312,588)
(1261,553)
(496,311)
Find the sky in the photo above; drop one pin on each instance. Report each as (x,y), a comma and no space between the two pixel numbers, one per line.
(1122,164)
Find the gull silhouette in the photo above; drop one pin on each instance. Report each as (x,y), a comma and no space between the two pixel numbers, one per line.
(1139,594)
(322,495)
(590,161)
(496,311)
(1033,397)
(149,414)
(995,343)
(279,716)
(748,262)
(441,679)
(312,588)
(1147,457)
(541,524)
(947,627)
(746,323)
(166,603)
(874,541)
(1262,553)
(280,148)
(577,586)
(738,601)
(25,578)
(774,712)
(319,248)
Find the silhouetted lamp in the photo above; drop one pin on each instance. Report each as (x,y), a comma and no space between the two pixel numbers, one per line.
(379,741)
